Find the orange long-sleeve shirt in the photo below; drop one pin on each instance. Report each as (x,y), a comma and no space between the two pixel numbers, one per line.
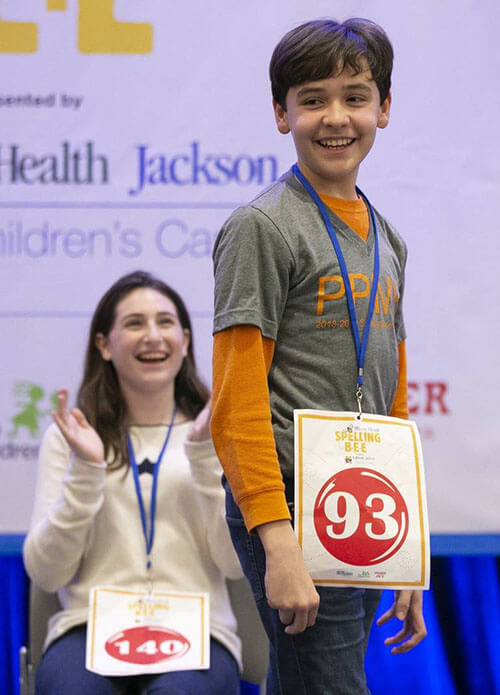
(241,415)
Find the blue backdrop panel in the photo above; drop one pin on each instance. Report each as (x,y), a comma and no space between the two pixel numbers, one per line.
(459,657)
(13,620)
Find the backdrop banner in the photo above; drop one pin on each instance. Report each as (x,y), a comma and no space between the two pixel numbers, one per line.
(129,132)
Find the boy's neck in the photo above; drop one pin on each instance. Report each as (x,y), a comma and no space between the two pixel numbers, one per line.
(344,189)
(339,193)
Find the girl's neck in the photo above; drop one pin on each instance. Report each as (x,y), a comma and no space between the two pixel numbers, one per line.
(150,408)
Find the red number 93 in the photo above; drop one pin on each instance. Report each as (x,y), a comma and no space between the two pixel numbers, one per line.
(360,517)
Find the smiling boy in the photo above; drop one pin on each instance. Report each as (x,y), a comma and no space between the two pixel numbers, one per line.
(333,122)
(283,341)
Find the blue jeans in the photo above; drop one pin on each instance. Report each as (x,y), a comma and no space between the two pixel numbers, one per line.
(326,659)
(62,672)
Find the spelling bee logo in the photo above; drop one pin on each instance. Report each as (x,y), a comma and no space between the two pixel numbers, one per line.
(98,31)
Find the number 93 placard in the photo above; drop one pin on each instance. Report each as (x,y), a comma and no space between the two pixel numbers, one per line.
(360,504)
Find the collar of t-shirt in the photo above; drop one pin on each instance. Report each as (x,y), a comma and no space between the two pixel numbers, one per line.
(353,212)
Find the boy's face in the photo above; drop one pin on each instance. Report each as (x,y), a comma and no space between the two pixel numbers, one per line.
(333,124)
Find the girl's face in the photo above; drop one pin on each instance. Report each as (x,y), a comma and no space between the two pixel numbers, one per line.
(146,343)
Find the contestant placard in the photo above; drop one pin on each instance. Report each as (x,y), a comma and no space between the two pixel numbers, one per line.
(360,502)
(136,632)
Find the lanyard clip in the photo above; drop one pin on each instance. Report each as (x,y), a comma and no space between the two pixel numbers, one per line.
(359,398)
(359,393)
(149,573)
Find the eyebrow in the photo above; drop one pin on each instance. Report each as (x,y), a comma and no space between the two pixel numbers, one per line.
(359,86)
(304,91)
(138,314)
(310,90)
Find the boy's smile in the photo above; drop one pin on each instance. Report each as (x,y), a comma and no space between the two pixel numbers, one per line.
(333,124)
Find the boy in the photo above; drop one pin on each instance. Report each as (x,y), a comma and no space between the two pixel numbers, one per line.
(283,340)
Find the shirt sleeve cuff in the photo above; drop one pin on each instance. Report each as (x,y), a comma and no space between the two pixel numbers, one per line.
(264,507)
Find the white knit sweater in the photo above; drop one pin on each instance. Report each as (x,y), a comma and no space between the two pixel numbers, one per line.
(86,528)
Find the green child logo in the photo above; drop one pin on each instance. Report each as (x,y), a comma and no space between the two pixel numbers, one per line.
(29,415)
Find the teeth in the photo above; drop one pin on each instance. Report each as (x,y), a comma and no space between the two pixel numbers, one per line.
(337,142)
(152,356)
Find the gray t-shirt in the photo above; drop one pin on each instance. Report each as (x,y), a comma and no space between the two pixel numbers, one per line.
(276,268)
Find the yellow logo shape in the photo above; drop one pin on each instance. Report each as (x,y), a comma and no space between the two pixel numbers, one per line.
(98,31)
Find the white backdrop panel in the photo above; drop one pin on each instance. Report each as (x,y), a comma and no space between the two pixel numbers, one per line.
(194,114)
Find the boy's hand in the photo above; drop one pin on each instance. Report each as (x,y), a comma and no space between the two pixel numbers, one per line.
(407,606)
(289,588)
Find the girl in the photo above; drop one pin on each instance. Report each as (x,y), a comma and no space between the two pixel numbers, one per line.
(140,394)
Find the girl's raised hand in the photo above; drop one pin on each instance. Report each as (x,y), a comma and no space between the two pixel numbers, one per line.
(201,426)
(81,437)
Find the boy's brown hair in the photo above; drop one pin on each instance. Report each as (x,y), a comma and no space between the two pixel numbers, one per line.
(323,47)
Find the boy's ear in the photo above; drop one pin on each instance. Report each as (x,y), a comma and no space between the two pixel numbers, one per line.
(281,117)
(101,343)
(384,112)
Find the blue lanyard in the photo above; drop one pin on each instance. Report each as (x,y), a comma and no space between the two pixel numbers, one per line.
(149,537)
(361,344)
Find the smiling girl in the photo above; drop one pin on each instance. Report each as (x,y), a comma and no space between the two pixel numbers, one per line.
(140,394)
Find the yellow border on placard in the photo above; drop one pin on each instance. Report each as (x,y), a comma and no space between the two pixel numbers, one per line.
(202,630)
(92,629)
(168,594)
(346,582)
